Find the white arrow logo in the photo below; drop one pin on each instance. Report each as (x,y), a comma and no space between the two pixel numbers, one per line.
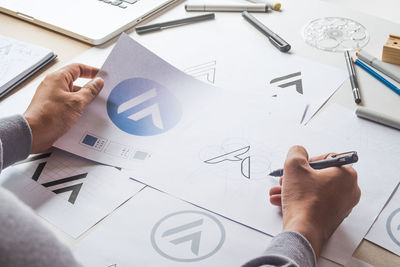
(152,110)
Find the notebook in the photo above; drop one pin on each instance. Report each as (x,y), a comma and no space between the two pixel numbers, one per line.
(19,61)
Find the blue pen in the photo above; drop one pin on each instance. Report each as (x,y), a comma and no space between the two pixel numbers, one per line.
(377,76)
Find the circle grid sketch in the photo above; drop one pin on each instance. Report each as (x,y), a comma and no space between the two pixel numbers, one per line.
(188,236)
(143,107)
(335,34)
(393,221)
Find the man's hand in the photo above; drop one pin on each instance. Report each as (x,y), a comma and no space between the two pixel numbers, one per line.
(58,104)
(314,202)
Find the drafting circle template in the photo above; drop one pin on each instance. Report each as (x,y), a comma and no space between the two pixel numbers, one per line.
(336,34)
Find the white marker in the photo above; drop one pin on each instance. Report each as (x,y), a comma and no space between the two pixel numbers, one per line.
(228,8)
(378,117)
(385,68)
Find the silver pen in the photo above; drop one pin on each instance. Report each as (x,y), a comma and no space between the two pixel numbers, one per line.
(353,78)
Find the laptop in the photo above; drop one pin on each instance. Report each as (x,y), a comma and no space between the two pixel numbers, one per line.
(91,21)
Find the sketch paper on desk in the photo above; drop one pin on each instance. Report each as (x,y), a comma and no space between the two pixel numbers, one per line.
(70,192)
(225,169)
(386,230)
(141,107)
(174,233)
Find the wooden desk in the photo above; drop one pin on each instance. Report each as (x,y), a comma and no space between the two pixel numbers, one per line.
(67,48)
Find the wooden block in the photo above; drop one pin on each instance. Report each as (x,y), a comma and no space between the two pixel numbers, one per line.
(391,50)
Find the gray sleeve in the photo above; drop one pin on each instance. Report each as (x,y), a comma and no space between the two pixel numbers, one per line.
(288,249)
(25,241)
(15,140)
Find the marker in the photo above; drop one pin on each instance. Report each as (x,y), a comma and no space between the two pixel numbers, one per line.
(335,161)
(173,23)
(383,67)
(378,77)
(228,8)
(378,117)
(353,78)
(277,41)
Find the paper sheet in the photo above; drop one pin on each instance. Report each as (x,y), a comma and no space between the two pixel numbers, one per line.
(70,192)
(17,58)
(386,230)
(224,169)
(175,233)
(144,101)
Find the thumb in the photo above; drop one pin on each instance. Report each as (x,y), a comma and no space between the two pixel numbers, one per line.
(297,157)
(90,90)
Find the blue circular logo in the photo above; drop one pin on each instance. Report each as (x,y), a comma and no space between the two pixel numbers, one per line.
(143,107)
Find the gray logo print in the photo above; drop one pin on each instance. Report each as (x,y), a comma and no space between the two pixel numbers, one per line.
(393,226)
(188,236)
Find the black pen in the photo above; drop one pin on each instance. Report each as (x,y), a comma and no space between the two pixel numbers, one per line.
(353,78)
(275,39)
(335,161)
(173,23)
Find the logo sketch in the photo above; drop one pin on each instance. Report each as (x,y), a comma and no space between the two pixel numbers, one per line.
(297,82)
(74,189)
(188,236)
(143,107)
(205,72)
(236,155)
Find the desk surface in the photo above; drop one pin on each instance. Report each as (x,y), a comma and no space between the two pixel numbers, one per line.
(67,48)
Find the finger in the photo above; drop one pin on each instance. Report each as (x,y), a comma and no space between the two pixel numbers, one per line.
(90,90)
(321,157)
(296,157)
(276,190)
(78,70)
(276,200)
(76,88)
(281,180)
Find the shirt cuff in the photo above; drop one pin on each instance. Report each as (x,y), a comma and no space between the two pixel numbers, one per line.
(294,246)
(286,249)
(15,140)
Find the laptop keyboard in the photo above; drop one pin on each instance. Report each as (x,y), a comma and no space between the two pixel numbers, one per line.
(119,3)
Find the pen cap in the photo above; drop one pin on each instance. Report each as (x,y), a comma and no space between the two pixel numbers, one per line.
(274,6)
(364,56)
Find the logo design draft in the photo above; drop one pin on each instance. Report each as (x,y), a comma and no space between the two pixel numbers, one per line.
(393,226)
(205,72)
(236,155)
(297,82)
(143,107)
(188,236)
(63,182)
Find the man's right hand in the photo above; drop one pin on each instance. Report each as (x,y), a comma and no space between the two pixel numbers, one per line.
(314,202)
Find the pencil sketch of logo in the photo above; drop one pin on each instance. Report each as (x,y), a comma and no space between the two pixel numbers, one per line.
(205,72)
(292,79)
(143,107)
(393,226)
(188,236)
(236,155)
